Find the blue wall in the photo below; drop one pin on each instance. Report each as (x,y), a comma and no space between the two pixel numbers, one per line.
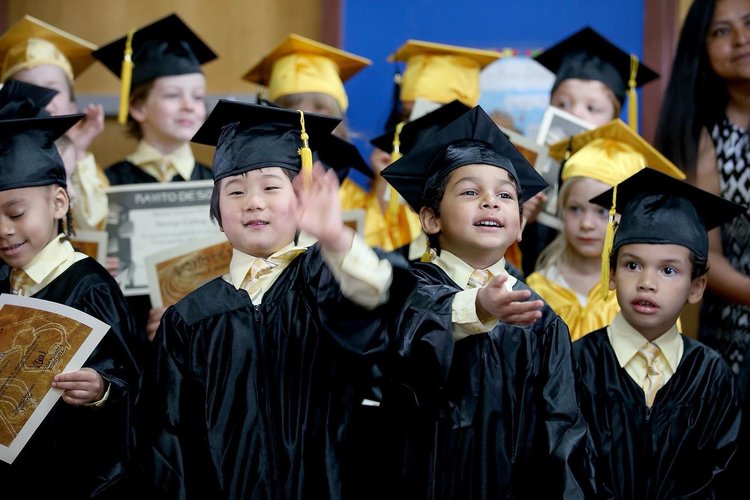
(375,28)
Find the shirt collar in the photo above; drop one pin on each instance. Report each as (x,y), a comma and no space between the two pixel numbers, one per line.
(626,341)
(48,259)
(182,158)
(460,272)
(241,262)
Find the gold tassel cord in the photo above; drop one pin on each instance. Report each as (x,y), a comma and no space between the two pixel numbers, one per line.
(608,241)
(394,198)
(126,77)
(305,151)
(632,96)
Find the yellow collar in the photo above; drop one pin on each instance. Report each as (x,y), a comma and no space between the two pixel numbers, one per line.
(241,262)
(147,157)
(626,341)
(48,259)
(460,272)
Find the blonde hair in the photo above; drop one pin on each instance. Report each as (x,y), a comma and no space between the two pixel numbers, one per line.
(558,252)
(320,100)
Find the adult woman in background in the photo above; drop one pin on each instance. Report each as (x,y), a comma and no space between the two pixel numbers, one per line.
(703,128)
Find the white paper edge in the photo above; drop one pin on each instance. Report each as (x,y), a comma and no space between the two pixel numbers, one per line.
(152,260)
(553,112)
(159,186)
(98,328)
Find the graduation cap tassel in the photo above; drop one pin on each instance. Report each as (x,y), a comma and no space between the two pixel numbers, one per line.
(393,201)
(427,255)
(632,96)
(126,76)
(305,151)
(608,241)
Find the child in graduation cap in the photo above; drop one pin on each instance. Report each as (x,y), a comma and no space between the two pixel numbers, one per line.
(163,101)
(490,409)
(661,407)
(252,387)
(593,78)
(305,74)
(568,272)
(35,52)
(84,448)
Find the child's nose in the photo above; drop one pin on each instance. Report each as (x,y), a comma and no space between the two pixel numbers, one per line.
(489,201)
(646,282)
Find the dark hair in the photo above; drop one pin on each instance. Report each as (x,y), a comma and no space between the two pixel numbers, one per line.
(213,207)
(140,93)
(695,97)
(698,266)
(434,188)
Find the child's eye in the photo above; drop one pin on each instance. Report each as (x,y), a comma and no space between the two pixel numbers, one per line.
(669,271)
(574,210)
(236,193)
(16,215)
(272,188)
(631,265)
(469,192)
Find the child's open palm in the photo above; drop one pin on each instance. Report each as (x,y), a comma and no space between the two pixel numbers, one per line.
(506,306)
(319,209)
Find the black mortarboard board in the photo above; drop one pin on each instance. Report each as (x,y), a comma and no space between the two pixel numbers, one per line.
(334,152)
(424,126)
(251,136)
(587,55)
(28,155)
(163,48)
(489,146)
(658,209)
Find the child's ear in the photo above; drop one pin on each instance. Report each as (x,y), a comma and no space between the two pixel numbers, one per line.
(430,222)
(521,228)
(136,110)
(697,287)
(612,285)
(60,202)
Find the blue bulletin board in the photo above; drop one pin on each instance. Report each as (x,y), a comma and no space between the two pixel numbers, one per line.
(375,28)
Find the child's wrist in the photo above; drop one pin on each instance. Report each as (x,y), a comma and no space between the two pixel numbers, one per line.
(338,241)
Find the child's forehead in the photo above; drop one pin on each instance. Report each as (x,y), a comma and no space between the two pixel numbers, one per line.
(256,175)
(480,170)
(23,194)
(656,251)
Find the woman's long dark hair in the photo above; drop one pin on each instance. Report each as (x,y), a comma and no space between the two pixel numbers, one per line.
(695,97)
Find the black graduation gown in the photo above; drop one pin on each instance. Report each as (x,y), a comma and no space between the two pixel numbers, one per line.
(86,452)
(124,172)
(492,416)
(254,401)
(673,450)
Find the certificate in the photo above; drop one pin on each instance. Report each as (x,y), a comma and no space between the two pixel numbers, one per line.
(92,243)
(145,219)
(556,126)
(38,340)
(177,271)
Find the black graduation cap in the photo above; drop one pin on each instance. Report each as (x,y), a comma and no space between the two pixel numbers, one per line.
(658,209)
(28,155)
(163,48)
(24,101)
(587,55)
(334,152)
(424,126)
(488,146)
(251,136)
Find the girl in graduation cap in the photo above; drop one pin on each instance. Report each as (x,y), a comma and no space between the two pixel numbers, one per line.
(84,448)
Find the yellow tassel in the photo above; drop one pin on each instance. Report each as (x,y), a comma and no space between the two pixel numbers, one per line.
(394,199)
(632,96)
(427,255)
(608,241)
(305,151)
(126,76)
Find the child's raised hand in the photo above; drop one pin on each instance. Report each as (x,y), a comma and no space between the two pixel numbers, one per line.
(511,307)
(84,132)
(81,387)
(319,209)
